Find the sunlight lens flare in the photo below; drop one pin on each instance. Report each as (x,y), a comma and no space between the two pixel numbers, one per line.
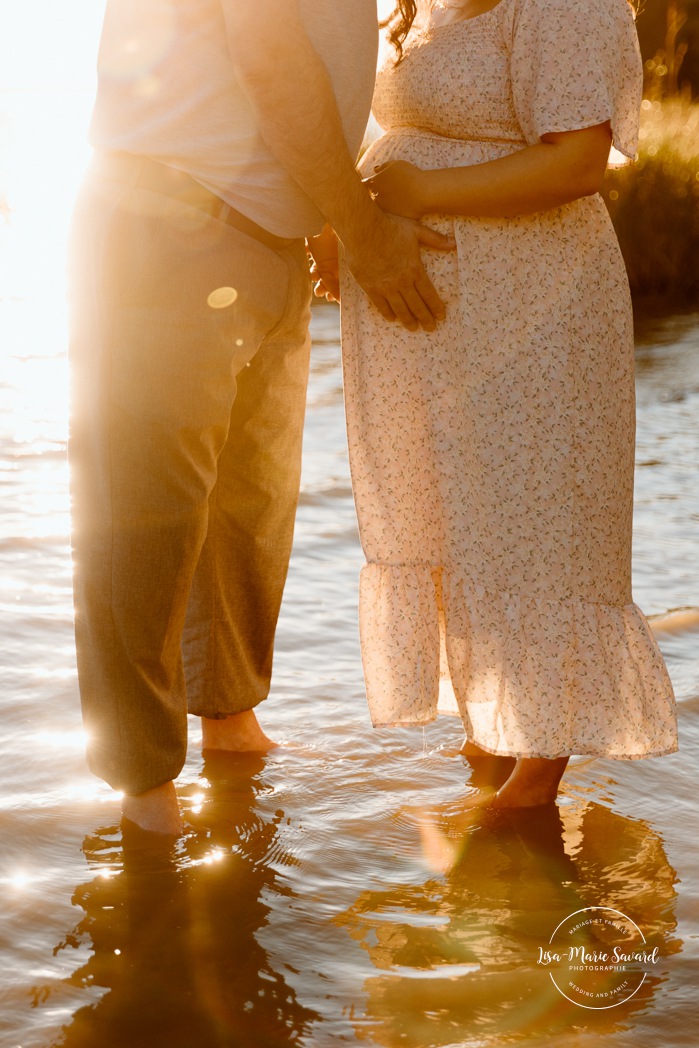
(138,37)
(222,297)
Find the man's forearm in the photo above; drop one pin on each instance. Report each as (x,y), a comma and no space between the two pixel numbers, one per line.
(297,115)
(289,87)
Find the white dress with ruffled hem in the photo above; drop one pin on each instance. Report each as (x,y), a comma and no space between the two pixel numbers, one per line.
(492,460)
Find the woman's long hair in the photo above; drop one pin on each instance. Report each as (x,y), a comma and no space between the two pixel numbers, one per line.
(399,22)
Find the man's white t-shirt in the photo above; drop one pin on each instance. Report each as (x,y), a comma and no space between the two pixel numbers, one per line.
(167,90)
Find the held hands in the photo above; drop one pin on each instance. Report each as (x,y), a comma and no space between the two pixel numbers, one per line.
(398,187)
(383,254)
(322,252)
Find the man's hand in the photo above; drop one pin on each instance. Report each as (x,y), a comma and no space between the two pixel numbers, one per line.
(291,93)
(386,263)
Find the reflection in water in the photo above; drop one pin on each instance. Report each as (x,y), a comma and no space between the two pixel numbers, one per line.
(457,954)
(173,931)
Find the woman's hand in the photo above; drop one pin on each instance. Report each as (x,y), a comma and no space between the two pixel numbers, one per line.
(323,254)
(397,187)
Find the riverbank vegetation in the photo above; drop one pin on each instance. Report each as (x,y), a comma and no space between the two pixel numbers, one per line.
(654,203)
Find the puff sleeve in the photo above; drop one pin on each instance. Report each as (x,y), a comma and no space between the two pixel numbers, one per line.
(574,65)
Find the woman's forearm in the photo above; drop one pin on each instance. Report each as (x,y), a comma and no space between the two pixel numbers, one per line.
(533,179)
(561,168)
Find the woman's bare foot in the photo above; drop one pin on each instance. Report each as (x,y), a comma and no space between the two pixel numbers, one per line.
(155,810)
(239,733)
(489,771)
(534,781)
(471,749)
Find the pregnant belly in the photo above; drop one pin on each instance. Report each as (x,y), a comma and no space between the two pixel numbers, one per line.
(573,228)
(428,150)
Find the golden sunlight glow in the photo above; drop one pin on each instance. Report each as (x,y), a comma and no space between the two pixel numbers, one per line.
(61,740)
(46,84)
(19,880)
(617,159)
(89,791)
(49,45)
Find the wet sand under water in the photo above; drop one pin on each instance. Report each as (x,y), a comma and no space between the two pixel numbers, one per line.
(304,906)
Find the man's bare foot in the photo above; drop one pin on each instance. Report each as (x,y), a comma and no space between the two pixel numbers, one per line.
(239,733)
(156,810)
(534,781)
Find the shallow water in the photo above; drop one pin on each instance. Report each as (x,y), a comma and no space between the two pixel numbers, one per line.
(306,904)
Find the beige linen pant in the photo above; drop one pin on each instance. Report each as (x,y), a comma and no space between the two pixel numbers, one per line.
(189,354)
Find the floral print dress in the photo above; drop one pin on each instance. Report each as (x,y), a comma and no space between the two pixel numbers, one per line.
(492,460)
